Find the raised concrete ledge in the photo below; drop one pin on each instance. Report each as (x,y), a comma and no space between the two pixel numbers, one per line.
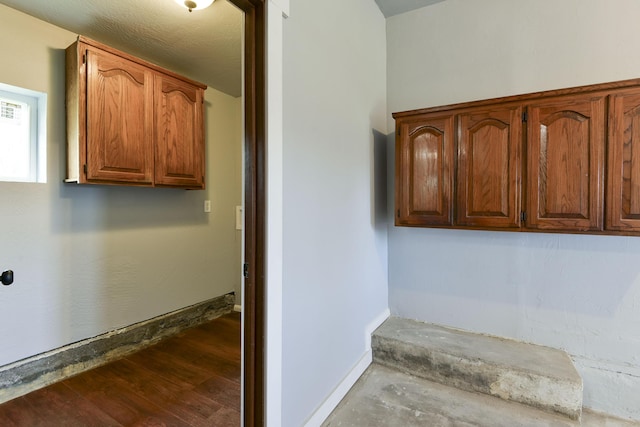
(33,373)
(541,377)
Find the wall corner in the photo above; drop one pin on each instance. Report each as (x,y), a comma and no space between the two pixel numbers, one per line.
(283,5)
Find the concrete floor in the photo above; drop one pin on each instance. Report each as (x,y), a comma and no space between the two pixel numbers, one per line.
(387,398)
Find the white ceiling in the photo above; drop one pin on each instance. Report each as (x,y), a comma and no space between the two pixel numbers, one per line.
(204,45)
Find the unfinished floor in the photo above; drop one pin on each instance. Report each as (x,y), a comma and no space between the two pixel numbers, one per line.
(429,375)
(385,397)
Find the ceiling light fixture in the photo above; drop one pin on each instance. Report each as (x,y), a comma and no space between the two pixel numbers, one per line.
(195,5)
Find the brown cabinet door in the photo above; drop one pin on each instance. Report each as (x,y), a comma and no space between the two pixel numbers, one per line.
(489,167)
(565,148)
(179,154)
(119,129)
(424,170)
(623,189)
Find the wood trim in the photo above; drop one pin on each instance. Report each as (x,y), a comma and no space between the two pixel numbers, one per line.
(255,205)
(104,47)
(534,96)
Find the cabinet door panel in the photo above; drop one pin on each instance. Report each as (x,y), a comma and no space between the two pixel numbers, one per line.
(424,171)
(489,165)
(565,167)
(119,120)
(179,139)
(623,190)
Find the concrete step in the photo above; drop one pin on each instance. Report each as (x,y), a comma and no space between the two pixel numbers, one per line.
(540,377)
(385,397)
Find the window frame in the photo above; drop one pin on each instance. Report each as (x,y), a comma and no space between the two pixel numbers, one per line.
(37,102)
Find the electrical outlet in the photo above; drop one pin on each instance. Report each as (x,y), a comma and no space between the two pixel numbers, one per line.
(207,206)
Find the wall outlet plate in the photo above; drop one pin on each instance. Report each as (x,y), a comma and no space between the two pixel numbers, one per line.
(239,218)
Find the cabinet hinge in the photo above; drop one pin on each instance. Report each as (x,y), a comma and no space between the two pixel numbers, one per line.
(84,58)
(525,117)
(398,213)
(523,216)
(84,168)
(245,270)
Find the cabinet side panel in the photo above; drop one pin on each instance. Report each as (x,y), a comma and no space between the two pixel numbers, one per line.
(72,113)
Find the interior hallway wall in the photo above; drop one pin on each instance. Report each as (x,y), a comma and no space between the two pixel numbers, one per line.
(89,259)
(334,240)
(578,293)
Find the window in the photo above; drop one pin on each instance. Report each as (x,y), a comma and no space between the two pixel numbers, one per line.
(22,134)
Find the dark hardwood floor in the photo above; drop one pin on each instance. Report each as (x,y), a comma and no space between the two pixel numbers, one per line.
(191,379)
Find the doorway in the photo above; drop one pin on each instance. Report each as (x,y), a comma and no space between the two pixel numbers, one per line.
(254,210)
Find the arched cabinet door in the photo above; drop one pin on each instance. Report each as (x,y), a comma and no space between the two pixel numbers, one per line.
(489,167)
(565,152)
(119,130)
(623,188)
(424,170)
(179,155)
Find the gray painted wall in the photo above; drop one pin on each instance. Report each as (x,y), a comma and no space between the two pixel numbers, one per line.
(578,293)
(88,259)
(334,241)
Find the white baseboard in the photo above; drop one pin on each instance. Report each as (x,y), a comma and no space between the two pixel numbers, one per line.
(332,401)
(375,324)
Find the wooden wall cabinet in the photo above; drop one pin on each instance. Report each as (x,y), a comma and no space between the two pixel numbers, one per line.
(130,122)
(425,152)
(531,162)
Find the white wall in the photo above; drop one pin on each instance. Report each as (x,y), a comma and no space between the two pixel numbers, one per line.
(88,259)
(334,239)
(578,293)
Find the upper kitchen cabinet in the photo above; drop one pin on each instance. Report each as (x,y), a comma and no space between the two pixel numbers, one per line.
(533,162)
(424,169)
(489,167)
(130,122)
(566,139)
(623,169)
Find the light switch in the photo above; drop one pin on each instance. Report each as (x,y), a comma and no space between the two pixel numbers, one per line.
(207,206)
(239,218)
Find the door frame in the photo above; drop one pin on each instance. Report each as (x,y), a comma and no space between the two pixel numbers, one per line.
(254,209)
